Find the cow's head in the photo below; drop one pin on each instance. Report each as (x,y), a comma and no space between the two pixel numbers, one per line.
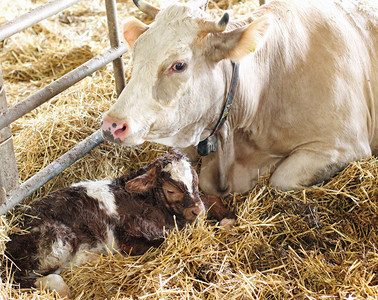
(176,91)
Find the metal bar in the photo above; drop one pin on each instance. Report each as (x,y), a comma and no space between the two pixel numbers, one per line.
(61,84)
(114,54)
(8,167)
(52,170)
(115,42)
(34,16)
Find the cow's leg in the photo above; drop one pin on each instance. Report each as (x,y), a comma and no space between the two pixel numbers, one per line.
(305,168)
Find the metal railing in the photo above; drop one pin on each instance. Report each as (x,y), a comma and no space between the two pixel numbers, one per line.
(11,192)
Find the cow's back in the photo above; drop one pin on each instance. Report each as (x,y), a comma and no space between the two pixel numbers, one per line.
(319,72)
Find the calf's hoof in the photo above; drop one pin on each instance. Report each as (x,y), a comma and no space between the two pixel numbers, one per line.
(227,224)
(54,282)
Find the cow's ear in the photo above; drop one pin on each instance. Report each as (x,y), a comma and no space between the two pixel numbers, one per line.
(239,42)
(142,183)
(132,29)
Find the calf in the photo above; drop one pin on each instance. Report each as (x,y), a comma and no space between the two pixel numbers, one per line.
(127,214)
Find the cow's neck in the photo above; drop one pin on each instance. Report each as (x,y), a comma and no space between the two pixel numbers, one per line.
(209,144)
(225,153)
(247,99)
(217,168)
(242,118)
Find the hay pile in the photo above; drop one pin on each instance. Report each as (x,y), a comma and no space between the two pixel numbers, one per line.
(318,243)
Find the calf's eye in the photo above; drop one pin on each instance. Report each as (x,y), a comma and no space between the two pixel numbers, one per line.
(178,67)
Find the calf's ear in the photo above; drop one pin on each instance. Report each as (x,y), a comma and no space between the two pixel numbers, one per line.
(132,29)
(239,42)
(143,182)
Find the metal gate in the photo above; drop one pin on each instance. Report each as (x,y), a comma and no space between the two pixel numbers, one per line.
(11,192)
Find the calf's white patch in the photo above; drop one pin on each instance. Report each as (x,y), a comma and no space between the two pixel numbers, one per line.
(100,191)
(60,252)
(181,171)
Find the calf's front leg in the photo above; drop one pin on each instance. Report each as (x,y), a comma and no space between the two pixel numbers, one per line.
(217,211)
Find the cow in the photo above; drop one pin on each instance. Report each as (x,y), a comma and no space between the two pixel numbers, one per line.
(305,102)
(128,214)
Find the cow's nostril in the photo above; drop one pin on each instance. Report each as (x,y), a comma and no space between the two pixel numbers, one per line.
(120,130)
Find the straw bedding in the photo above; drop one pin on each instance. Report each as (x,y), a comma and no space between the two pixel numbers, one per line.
(320,243)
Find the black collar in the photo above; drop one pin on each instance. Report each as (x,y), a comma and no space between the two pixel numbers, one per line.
(209,144)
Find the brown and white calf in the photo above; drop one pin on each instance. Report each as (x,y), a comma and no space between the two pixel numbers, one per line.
(73,225)
(307,97)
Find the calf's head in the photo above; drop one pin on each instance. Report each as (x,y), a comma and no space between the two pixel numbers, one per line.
(177,78)
(175,185)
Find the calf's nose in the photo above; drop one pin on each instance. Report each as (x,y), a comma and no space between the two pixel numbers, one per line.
(113,130)
(196,210)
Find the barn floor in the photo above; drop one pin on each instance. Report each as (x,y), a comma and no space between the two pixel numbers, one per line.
(320,243)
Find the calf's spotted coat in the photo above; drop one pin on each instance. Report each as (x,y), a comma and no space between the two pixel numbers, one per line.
(128,214)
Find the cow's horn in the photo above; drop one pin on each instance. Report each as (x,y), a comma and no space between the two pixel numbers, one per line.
(147,8)
(217,26)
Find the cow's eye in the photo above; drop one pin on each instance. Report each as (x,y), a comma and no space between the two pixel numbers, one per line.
(178,67)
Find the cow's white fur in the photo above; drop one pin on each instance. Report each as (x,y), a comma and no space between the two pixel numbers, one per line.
(181,171)
(158,114)
(100,191)
(306,103)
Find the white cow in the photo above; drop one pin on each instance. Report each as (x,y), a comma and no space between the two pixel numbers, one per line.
(306,103)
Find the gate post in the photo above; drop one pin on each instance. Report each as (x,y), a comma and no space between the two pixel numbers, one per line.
(8,168)
(115,42)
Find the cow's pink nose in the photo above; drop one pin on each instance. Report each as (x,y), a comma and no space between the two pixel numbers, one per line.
(119,131)
(113,130)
